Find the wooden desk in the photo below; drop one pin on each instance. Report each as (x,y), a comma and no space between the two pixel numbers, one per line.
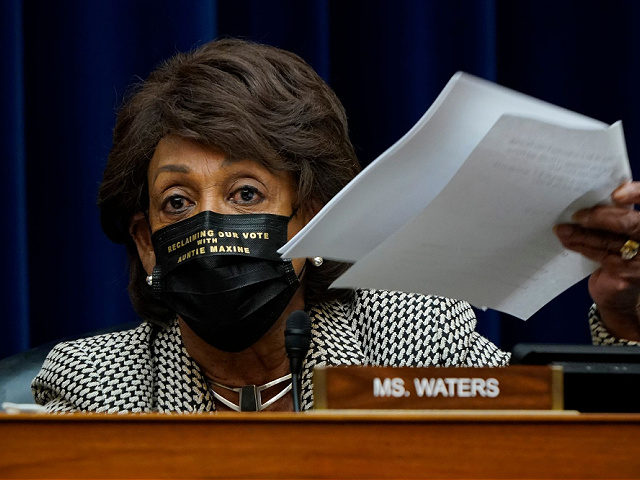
(322,445)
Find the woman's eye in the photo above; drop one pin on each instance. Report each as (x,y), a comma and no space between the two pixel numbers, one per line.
(246,195)
(176,204)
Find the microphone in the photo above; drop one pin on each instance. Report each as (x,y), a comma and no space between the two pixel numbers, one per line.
(297,338)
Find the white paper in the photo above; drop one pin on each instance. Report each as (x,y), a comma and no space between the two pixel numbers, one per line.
(402,181)
(463,205)
(487,237)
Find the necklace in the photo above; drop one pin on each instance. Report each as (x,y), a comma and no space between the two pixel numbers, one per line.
(250,396)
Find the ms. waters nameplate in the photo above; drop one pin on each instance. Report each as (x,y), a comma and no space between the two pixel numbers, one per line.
(510,388)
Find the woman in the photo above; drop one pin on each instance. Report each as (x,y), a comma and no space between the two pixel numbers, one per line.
(220,157)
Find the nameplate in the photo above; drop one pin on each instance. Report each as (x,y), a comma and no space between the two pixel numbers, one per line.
(407,388)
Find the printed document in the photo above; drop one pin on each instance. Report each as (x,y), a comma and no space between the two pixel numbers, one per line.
(464,204)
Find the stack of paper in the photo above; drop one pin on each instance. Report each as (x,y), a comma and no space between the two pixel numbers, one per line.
(464,204)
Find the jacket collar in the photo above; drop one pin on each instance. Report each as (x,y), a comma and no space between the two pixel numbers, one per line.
(179,383)
(333,342)
(181,387)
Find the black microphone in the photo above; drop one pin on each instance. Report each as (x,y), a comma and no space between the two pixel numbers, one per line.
(297,338)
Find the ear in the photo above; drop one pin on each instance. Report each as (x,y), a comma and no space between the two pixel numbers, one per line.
(311,210)
(140,231)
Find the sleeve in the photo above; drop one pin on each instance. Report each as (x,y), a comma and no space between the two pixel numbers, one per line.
(407,329)
(460,344)
(68,381)
(481,352)
(599,333)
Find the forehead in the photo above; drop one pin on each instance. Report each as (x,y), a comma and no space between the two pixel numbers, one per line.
(176,154)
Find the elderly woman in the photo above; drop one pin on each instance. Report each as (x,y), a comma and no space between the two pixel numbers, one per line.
(220,157)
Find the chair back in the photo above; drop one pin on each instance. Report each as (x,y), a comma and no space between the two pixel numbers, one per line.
(17,371)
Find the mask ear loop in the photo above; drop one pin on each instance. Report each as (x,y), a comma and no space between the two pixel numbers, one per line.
(149,278)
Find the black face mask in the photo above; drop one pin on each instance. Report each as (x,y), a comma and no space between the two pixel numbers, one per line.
(223,276)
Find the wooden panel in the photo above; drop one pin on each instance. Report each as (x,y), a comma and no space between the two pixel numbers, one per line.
(315,445)
(514,387)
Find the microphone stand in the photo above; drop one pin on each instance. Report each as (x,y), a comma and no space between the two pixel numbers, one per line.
(295,391)
(297,338)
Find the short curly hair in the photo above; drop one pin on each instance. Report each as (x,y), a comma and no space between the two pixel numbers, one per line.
(246,100)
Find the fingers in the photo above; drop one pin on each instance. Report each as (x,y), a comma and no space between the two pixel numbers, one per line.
(595,245)
(601,247)
(610,218)
(620,217)
(627,194)
(601,231)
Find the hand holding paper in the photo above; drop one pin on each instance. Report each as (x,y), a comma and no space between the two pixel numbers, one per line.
(599,234)
(487,237)
(464,204)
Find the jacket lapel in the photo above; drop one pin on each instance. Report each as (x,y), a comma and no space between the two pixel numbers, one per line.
(179,383)
(333,342)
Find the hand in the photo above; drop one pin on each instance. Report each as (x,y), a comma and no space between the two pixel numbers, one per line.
(599,233)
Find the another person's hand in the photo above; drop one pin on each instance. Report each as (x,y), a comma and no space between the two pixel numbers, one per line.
(599,234)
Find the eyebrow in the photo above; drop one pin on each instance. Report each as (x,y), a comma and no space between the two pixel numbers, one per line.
(171,168)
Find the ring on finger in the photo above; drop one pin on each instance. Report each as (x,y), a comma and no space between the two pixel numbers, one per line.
(630,249)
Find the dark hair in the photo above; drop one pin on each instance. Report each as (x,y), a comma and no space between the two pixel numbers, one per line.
(248,101)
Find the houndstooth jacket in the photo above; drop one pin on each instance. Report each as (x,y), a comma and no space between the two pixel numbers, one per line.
(147,369)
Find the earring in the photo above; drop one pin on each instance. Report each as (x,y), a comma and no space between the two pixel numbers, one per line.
(150,280)
(317,261)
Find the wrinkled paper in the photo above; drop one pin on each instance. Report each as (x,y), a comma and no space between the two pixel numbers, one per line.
(464,204)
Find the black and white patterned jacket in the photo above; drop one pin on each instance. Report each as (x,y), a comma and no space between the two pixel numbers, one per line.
(148,369)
